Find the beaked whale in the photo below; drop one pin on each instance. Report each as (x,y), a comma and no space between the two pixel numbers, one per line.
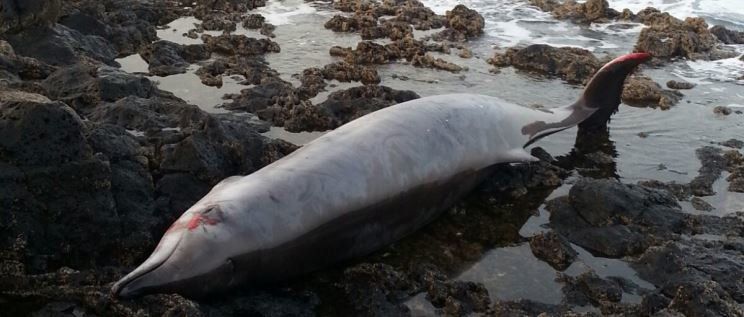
(356,189)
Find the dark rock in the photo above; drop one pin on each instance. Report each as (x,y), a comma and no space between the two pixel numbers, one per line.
(465,20)
(352,103)
(60,45)
(38,134)
(395,30)
(20,15)
(574,65)
(673,84)
(700,204)
(367,53)
(354,23)
(553,249)
(231,44)
(699,277)
(590,288)
(591,11)
(438,63)
(614,219)
(15,68)
(416,14)
(346,72)
(642,91)
(388,288)
(253,21)
(526,307)
(255,70)
(167,58)
(668,37)
(266,94)
(82,86)
(733,143)
(735,166)
(727,36)
(268,30)
(722,110)
(312,82)
(219,21)
(713,164)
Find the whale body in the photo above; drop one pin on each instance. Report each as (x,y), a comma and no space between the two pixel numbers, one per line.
(356,189)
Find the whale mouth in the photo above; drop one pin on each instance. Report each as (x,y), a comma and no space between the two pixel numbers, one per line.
(128,287)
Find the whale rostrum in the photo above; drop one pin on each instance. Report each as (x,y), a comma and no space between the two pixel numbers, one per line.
(356,189)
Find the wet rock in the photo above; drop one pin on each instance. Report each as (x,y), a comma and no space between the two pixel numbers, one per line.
(268,30)
(694,277)
(733,143)
(312,81)
(82,86)
(436,63)
(642,91)
(668,37)
(395,30)
(368,53)
(14,68)
(700,204)
(219,21)
(19,15)
(231,44)
(388,289)
(735,166)
(60,45)
(592,11)
(128,25)
(673,84)
(346,72)
(355,23)
(167,58)
(727,36)
(610,218)
(254,70)
(352,103)
(204,8)
(588,288)
(253,21)
(416,14)
(525,307)
(574,65)
(269,100)
(465,20)
(713,164)
(553,249)
(44,146)
(722,110)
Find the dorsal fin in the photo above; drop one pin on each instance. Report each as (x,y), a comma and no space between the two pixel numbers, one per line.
(600,99)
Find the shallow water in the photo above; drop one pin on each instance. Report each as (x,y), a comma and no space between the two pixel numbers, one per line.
(666,154)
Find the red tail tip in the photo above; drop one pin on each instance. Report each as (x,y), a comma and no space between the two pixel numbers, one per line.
(640,56)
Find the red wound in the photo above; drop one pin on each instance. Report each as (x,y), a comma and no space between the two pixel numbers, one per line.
(200,219)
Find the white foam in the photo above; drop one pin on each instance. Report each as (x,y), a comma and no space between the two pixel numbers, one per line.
(700,71)
(283,12)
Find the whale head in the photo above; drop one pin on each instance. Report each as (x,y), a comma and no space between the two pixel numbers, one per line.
(188,257)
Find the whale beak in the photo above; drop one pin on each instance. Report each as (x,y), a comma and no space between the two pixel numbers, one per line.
(151,273)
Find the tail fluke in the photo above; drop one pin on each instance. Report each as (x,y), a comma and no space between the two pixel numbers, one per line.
(599,101)
(604,89)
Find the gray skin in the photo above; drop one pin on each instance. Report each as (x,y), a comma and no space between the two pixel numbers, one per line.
(356,189)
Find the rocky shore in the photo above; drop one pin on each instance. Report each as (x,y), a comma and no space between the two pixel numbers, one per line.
(96,162)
